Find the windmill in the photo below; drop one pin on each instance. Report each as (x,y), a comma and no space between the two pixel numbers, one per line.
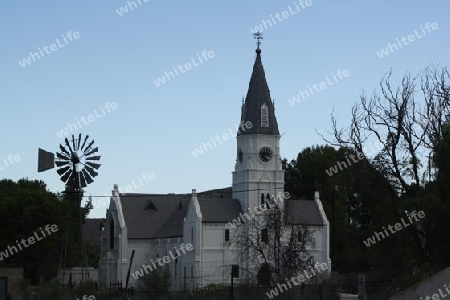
(77,165)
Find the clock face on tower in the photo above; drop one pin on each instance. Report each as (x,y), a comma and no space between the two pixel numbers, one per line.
(265,154)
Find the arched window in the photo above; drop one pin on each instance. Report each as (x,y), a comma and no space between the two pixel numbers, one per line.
(111,235)
(265,235)
(176,267)
(167,265)
(262,199)
(268,198)
(264,115)
(264,275)
(227,235)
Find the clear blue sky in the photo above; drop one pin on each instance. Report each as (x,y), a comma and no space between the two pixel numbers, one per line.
(154,129)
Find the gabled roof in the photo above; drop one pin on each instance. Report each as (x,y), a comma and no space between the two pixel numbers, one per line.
(147,214)
(257,95)
(303,212)
(150,216)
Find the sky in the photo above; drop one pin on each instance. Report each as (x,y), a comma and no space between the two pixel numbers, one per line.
(100,66)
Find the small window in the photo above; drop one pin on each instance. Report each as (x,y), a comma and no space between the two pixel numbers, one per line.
(176,267)
(265,235)
(268,197)
(264,116)
(235,271)
(299,236)
(167,266)
(192,234)
(111,235)
(227,235)
(262,199)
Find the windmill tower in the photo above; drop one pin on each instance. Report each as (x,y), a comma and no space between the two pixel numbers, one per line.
(77,164)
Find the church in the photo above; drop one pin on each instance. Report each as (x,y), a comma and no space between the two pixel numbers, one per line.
(190,235)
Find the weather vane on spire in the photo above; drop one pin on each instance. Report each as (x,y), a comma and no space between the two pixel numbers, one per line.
(258,37)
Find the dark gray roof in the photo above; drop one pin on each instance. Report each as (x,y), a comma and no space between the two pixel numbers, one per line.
(258,93)
(303,212)
(219,210)
(150,216)
(92,230)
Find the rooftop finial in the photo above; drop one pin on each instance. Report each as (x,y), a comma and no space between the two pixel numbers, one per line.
(258,37)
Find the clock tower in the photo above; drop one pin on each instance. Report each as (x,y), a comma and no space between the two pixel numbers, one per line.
(258,172)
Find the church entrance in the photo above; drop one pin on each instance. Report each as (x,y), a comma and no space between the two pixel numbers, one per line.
(264,275)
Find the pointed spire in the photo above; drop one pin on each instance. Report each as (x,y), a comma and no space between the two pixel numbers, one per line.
(258,107)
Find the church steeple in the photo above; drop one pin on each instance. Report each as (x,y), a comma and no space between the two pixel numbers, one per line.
(258,174)
(258,107)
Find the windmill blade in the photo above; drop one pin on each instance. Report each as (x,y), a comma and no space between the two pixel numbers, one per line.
(87,177)
(84,143)
(63,150)
(68,144)
(61,163)
(63,170)
(91,171)
(71,179)
(73,143)
(93,158)
(59,155)
(83,183)
(66,176)
(89,146)
(79,142)
(93,165)
(91,152)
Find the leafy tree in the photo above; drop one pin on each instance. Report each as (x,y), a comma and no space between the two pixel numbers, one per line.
(26,207)
(438,204)
(358,200)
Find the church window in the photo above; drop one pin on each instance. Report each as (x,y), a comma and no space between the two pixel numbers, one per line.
(111,235)
(167,266)
(192,234)
(264,116)
(265,235)
(268,197)
(262,199)
(299,236)
(235,271)
(227,235)
(176,267)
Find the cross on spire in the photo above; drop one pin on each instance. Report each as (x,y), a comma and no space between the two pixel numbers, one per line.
(258,37)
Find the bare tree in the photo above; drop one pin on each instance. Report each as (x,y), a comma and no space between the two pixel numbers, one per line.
(436,90)
(408,127)
(275,249)
(395,118)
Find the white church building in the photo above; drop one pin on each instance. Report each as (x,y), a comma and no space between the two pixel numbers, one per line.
(187,234)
